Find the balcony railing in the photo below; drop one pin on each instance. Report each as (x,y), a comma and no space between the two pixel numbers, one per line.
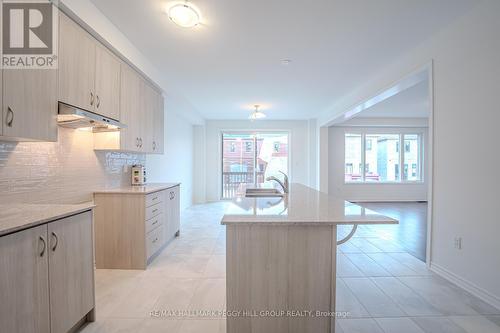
(231,181)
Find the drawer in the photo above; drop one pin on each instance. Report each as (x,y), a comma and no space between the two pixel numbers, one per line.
(155,198)
(155,222)
(154,210)
(154,241)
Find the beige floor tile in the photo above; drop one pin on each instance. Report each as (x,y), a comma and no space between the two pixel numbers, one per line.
(216,267)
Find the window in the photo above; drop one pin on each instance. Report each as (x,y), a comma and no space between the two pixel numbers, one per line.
(380,159)
(412,157)
(353,161)
(249,158)
(248,146)
(276,147)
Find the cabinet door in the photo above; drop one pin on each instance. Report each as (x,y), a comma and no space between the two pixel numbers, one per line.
(159,124)
(176,211)
(30,104)
(130,109)
(173,212)
(148,100)
(107,83)
(71,269)
(24,282)
(76,65)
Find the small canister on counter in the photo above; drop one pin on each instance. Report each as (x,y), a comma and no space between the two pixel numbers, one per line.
(138,175)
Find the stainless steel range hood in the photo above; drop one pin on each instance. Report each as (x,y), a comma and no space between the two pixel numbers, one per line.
(73,117)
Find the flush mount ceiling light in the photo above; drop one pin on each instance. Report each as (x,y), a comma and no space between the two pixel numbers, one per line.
(184,15)
(256,114)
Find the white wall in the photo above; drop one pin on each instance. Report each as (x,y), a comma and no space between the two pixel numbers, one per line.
(466,68)
(373,191)
(302,150)
(176,163)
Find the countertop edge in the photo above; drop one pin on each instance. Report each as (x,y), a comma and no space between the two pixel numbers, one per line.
(135,189)
(35,223)
(276,222)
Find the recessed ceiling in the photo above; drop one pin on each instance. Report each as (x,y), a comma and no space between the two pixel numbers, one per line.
(234,59)
(413,102)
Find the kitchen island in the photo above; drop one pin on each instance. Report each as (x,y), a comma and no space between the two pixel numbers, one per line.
(281,259)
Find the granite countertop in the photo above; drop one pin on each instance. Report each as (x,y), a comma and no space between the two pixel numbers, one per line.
(302,206)
(16,217)
(145,189)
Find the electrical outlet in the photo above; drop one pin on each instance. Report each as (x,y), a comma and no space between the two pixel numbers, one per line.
(458,243)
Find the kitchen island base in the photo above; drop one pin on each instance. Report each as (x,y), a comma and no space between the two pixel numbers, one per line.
(281,279)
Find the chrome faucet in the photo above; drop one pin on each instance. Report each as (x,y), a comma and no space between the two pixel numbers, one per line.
(284,184)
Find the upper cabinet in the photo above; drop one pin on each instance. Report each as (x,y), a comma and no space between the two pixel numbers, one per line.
(89,77)
(159,124)
(141,109)
(28,99)
(107,83)
(89,74)
(30,104)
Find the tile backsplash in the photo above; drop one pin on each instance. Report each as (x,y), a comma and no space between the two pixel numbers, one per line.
(67,171)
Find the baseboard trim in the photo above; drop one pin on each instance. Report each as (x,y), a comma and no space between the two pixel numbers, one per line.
(484,295)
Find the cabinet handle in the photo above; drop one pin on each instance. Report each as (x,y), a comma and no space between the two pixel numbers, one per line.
(154,145)
(98,101)
(44,246)
(155,222)
(137,142)
(155,210)
(155,240)
(91,98)
(9,119)
(155,198)
(140,140)
(57,241)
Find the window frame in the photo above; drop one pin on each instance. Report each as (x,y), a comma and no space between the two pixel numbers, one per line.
(401,134)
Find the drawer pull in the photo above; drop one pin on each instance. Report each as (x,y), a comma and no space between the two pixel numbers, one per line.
(155,222)
(9,119)
(57,241)
(154,241)
(44,246)
(154,198)
(155,210)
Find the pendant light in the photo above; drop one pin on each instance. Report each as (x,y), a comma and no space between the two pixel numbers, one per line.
(256,114)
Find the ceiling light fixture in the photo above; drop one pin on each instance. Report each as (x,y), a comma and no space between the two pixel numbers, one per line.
(184,15)
(256,114)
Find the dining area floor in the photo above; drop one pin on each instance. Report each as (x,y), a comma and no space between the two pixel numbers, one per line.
(381,288)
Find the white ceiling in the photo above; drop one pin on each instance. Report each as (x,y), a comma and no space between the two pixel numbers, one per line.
(233,60)
(413,102)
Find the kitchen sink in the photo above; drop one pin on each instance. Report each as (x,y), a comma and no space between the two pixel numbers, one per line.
(263,192)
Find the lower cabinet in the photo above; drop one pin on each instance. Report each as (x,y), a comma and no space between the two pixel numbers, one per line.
(131,228)
(47,277)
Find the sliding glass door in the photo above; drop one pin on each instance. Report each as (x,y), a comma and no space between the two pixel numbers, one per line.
(251,157)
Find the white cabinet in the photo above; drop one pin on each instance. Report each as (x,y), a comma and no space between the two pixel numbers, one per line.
(47,276)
